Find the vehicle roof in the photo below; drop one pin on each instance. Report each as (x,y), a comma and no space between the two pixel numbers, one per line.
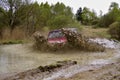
(55,30)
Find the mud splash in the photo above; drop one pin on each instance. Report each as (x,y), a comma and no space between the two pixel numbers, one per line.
(105,42)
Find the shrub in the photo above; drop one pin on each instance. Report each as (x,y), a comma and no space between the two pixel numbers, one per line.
(114,30)
(59,22)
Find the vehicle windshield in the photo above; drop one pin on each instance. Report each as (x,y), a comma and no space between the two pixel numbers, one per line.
(55,34)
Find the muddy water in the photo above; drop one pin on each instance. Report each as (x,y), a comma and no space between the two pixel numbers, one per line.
(20,57)
(12,59)
(95,64)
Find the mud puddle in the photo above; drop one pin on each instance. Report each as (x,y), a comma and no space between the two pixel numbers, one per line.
(19,58)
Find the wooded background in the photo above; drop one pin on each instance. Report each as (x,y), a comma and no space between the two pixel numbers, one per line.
(24,17)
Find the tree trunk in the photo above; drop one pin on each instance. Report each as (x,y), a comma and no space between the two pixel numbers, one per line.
(1,33)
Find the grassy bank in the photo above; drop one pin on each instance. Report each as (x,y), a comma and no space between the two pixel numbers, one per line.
(89,31)
(11,42)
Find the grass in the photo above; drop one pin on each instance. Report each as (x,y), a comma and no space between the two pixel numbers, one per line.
(17,34)
(17,37)
(11,42)
(89,31)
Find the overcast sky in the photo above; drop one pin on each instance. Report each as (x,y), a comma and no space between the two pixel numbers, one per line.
(97,5)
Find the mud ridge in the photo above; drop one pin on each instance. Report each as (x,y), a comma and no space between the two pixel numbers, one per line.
(42,71)
(107,72)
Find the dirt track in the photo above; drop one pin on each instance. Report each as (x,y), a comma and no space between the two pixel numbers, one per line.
(108,72)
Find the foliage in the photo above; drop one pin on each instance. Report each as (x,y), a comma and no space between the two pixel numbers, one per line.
(34,16)
(79,14)
(2,17)
(2,21)
(11,6)
(111,16)
(86,16)
(61,16)
(115,30)
(44,14)
(54,16)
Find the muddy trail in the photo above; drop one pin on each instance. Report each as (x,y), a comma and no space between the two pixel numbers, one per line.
(15,59)
(106,72)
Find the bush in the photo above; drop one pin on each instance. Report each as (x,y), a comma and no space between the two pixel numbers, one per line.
(114,30)
(59,22)
(75,24)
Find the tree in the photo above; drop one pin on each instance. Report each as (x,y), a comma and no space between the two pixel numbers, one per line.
(114,30)
(3,20)
(114,11)
(58,22)
(113,5)
(79,15)
(29,17)
(45,14)
(61,16)
(112,16)
(58,9)
(11,6)
(86,16)
(2,17)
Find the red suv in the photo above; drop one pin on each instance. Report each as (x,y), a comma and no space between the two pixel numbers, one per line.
(56,36)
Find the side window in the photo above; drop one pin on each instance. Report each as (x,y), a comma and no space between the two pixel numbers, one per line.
(51,35)
(56,35)
(61,34)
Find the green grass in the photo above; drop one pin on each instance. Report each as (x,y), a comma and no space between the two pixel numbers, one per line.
(103,34)
(11,42)
(89,31)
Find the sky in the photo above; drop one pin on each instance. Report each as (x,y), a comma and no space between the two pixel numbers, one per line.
(97,5)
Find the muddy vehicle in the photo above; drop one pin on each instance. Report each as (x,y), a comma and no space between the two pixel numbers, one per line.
(65,38)
(58,37)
